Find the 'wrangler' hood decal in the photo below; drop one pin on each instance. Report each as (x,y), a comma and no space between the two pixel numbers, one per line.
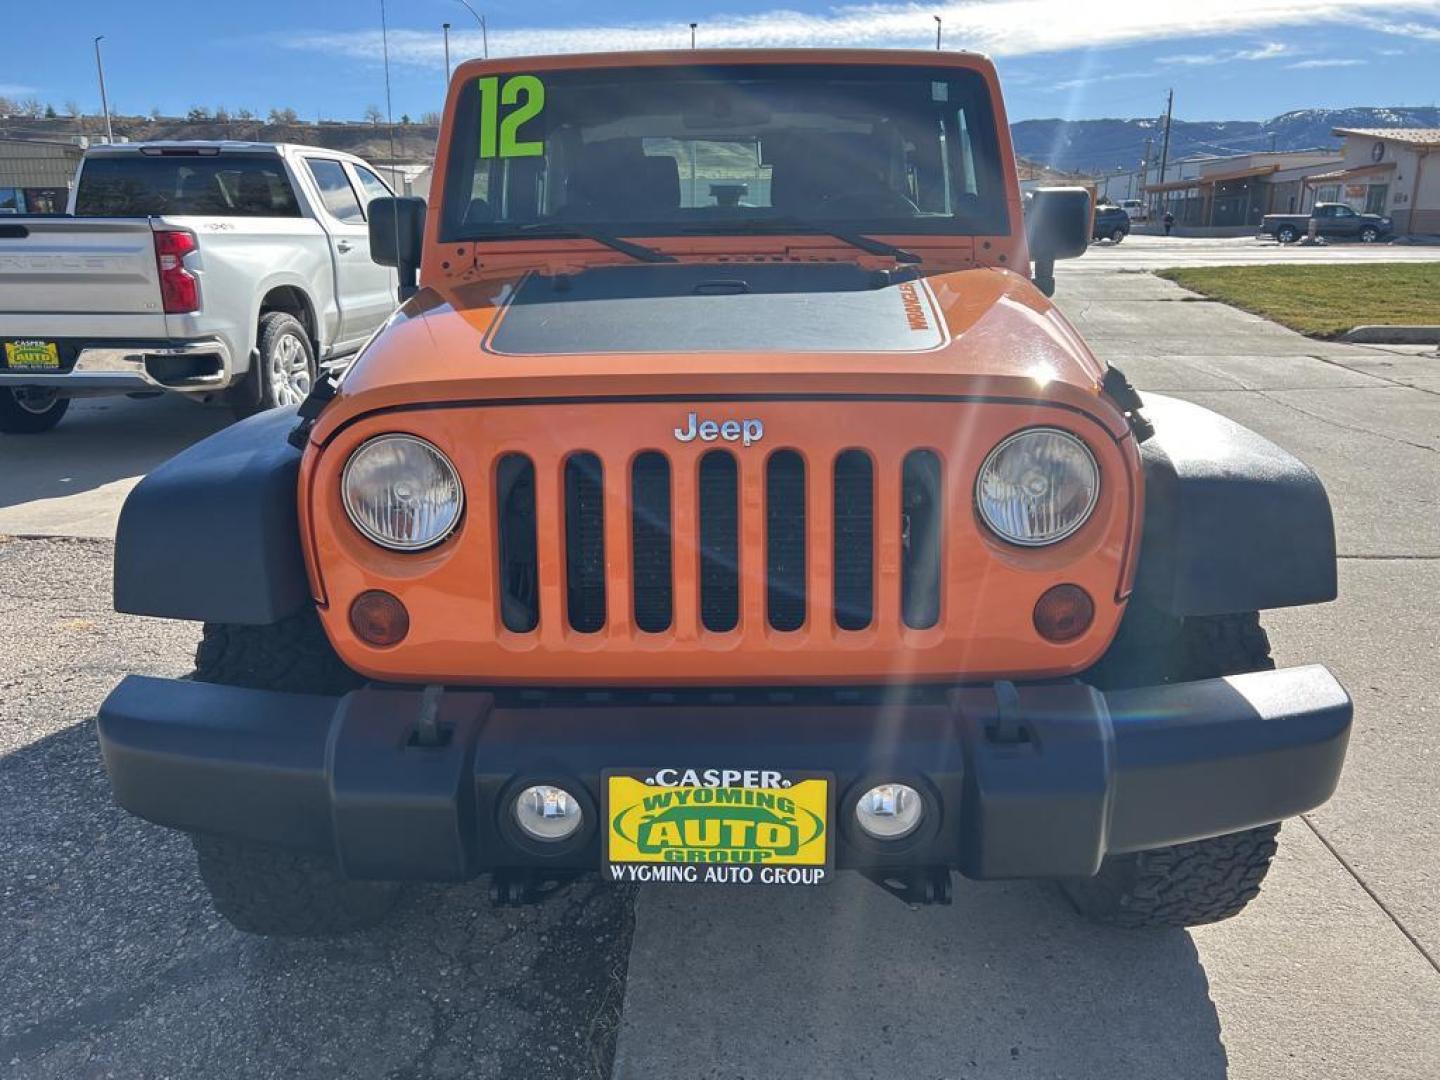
(782,308)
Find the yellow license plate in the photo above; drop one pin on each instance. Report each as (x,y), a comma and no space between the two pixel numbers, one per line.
(32,355)
(718,826)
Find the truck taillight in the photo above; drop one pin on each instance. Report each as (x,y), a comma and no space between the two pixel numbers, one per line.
(179,289)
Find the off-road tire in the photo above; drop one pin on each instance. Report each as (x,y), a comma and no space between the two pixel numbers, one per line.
(266,890)
(16,419)
(1206,880)
(291,655)
(279,334)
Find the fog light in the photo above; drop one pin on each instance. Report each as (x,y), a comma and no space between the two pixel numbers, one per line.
(379,618)
(1063,613)
(889,811)
(546,812)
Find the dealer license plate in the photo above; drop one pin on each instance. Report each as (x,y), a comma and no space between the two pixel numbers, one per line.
(32,355)
(728,826)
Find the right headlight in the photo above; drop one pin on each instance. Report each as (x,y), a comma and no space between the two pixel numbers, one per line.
(401,492)
(1037,486)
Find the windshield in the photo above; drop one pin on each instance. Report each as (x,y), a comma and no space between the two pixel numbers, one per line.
(666,151)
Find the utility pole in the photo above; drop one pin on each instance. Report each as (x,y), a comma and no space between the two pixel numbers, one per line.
(938,24)
(484,31)
(104,101)
(1165,144)
(446,28)
(692,34)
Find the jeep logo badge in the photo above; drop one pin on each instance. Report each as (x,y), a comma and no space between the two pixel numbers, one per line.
(741,431)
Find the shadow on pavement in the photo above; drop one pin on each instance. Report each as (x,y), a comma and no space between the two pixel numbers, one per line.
(115,964)
(846,981)
(101,440)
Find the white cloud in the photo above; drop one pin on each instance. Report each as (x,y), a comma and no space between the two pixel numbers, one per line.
(1333,63)
(15,90)
(998,27)
(1225,56)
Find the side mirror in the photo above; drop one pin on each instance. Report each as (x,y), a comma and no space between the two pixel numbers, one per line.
(397,233)
(1056,227)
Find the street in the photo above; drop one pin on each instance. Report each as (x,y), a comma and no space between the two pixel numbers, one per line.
(115,964)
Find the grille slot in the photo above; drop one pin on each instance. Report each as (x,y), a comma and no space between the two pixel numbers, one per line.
(719,531)
(854,508)
(584,542)
(785,540)
(650,540)
(519,565)
(920,534)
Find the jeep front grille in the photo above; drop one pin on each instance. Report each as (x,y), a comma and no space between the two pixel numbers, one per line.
(791,548)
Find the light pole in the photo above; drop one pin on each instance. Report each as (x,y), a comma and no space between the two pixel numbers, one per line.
(104,101)
(938,24)
(446,28)
(692,34)
(484,32)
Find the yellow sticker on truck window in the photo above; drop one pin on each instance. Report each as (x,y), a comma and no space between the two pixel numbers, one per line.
(524,95)
(660,828)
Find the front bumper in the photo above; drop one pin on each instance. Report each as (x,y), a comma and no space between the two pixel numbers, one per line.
(1034,781)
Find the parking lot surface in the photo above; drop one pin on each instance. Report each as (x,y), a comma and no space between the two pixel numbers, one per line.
(115,964)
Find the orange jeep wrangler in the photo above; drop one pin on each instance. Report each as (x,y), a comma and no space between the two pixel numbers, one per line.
(726,502)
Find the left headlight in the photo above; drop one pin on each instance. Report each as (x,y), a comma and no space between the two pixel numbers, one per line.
(401,492)
(1037,486)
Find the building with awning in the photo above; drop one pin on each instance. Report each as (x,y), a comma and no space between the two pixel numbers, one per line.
(1236,192)
(35,176)
(1394,172)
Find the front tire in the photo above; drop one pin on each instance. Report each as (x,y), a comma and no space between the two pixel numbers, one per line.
(1369,234)
(1206,880)
(30,410)
(1117,235)
(268,890)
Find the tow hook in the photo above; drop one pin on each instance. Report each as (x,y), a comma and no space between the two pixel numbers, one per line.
(917,885)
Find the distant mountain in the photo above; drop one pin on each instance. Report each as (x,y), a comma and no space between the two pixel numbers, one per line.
(1107,145)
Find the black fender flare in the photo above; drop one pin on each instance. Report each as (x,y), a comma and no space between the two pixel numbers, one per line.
(213,534)
(1232,522)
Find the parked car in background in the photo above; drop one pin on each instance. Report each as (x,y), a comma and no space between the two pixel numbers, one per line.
(1111,223)
(1330,220)
(203,268)
(1135,209)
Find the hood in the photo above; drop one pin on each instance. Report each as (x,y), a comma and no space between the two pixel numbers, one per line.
(706,330)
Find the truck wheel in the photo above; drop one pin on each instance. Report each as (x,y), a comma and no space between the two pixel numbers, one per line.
(266,890)
(1206,880)
(1369,234)
(1287,234)
(285,371)
(30,410)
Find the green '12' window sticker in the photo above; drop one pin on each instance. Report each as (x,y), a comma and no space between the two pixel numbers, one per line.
(500,135)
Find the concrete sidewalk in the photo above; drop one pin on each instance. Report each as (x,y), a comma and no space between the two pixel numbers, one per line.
(1328,975)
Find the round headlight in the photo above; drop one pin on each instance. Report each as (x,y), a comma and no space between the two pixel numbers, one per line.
(401,492)
(1038,486)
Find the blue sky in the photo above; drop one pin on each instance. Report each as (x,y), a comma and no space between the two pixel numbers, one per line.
(1236,60)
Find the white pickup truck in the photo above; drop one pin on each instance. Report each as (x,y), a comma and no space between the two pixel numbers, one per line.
(204,268)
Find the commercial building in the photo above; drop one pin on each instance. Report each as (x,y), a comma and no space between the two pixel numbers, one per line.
(35,176)
(1392,171)
(1232,194)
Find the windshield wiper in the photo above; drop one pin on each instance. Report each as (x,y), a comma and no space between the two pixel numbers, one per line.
(625,247)
(790,224)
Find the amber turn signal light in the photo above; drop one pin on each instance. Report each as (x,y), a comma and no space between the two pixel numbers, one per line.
(379,618)
(1063,613)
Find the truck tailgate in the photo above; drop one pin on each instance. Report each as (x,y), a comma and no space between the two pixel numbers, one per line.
(56,271)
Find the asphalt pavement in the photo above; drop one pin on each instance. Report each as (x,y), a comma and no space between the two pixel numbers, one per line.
(114,964)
